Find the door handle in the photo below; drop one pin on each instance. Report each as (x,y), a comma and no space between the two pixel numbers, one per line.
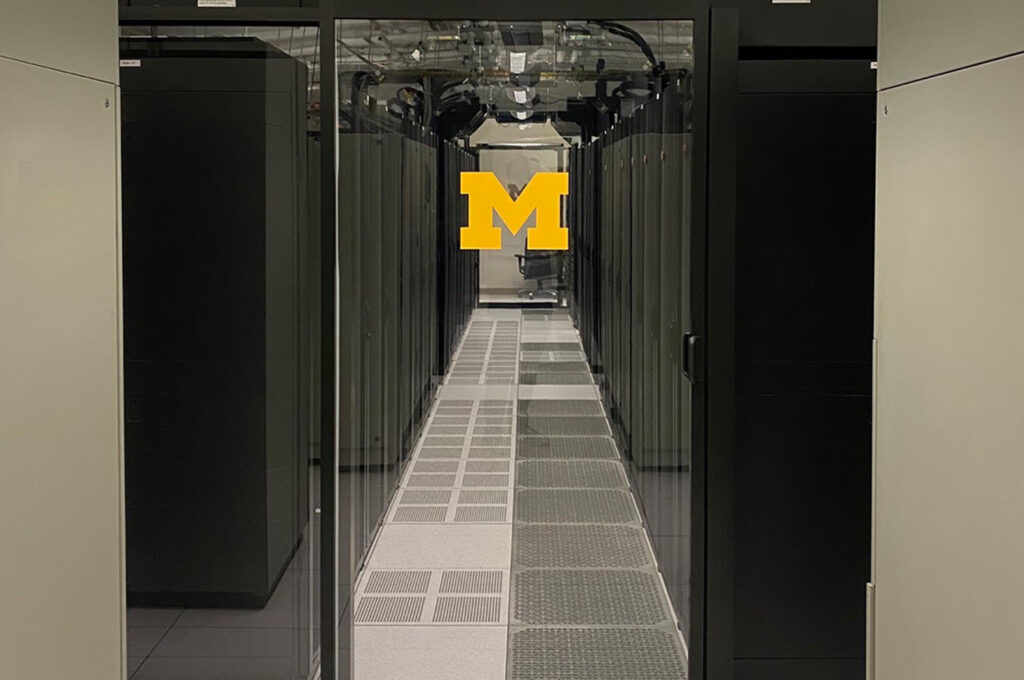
(691,358)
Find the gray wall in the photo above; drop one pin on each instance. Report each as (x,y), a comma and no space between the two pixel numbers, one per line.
(949,320)
(61,581)
(922,38)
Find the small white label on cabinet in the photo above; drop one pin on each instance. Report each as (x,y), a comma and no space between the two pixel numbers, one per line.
(216,3)
(130,63)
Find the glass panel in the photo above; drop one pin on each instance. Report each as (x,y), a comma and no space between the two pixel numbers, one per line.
(221,319)
(419,103)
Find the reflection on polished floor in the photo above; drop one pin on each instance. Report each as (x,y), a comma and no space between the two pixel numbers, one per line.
(514,547)
(274,642)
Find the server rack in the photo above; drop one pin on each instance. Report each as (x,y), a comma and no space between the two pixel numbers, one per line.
(634,310)
(406,293)
(215,228)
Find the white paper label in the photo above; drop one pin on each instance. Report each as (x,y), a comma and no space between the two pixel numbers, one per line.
(517,62)
(130,63)
(520,96)
(216,3)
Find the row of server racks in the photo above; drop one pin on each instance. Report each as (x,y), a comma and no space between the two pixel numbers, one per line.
(406,292)
(222,261)
(629,216)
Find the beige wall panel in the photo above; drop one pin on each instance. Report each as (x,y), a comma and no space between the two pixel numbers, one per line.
(949,523)
(77,36)
(60,475)
(921,38)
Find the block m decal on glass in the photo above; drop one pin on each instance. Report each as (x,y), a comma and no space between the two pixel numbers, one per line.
(543,193)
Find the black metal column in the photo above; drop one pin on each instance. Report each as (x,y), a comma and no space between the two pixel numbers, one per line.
(330,554)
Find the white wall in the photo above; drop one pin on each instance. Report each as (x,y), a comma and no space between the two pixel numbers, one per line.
(61,580)
(948,562)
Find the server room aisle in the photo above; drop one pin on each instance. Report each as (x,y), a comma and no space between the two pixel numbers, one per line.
(514,548)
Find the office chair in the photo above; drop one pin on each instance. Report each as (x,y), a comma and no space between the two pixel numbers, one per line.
(540,266)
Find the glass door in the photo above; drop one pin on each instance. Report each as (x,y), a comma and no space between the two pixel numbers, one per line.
(221,318)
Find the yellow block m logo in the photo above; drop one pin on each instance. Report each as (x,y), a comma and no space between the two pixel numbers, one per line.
(487,196)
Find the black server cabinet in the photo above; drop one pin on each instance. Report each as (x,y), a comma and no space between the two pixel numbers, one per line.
(403,291)
(632,227)
(804,264)
(214,174)
(459,280)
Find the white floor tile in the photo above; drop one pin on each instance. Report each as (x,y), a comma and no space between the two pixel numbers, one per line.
(152,616)
(133,664)
(143,639)
(198,668)
(247,643)
(442,546)
(430,653)
(288,607)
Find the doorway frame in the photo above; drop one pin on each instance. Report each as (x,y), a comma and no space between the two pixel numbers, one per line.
(716,46)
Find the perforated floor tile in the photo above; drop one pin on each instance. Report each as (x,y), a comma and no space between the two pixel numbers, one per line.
(587,597)
(467,609)
(485,479)
(483,496)
(566,447)
(595,654)
(577,474)
(446,429)
(425,497)
(489,581)
(550,346)
(431,480)
(581,565)
(491,441)
(580,546)
(481,514)
(390,581)
(494,410)
(560,407)
(575,506)
(454,411)
(563,425)
(555,379)
(435,466)
(419,513)
(554,367)
(389,609)
(452,420)
(433,440)
(487,466)
(492,429)
(445,452)
(478,452)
